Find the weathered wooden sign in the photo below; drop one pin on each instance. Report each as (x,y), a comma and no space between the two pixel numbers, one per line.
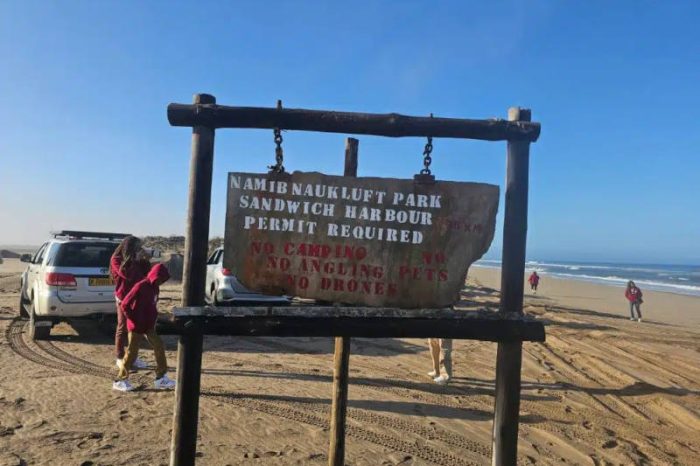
(371,241)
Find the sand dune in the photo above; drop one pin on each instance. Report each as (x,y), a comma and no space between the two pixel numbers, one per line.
(601,390)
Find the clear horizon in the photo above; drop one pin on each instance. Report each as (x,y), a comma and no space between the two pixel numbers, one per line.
(613,177)
(487,257)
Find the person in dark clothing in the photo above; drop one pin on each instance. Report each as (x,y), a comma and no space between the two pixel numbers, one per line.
(634,296)
(141,311)
(128,265)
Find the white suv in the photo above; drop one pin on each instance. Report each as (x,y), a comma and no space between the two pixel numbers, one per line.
(68,277)
(225,289)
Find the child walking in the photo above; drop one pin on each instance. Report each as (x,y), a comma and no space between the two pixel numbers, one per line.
(141,311)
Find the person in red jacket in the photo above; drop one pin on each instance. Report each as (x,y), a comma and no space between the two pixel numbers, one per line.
(127,266)
(634,296)
(534,280)
(141,311)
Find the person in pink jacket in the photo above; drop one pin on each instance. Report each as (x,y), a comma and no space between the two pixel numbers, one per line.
(534,281)
(634,296)
(127,266)
(140,308)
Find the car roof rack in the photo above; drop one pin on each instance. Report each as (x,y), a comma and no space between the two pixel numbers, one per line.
(88,234)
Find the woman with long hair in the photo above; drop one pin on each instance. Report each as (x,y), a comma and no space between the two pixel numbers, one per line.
(127,266)
(634,296)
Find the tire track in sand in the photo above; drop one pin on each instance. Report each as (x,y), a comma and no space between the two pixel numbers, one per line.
(64,361)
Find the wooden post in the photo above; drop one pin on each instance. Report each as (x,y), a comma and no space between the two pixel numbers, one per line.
(341,357)
(189,349)
(509,357)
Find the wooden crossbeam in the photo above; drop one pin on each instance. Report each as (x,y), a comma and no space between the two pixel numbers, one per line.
(389,124)
(312,321)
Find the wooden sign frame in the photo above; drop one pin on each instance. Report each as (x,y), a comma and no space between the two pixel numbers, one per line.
(509,328)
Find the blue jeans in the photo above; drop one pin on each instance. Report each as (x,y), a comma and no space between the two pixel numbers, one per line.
(634,305)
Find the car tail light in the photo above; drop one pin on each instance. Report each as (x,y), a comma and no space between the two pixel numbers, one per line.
(226,272)
(60,279)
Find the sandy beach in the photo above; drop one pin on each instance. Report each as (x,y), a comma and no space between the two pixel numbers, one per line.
(601,390)
(669,308)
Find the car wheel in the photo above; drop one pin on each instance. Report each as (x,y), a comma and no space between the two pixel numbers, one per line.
(37,332)
(23,306)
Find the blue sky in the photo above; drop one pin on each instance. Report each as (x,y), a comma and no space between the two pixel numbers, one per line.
(85,141)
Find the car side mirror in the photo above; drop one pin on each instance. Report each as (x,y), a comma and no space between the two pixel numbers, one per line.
(25,258)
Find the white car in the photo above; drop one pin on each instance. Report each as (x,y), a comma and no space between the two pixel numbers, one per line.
(68,277)
(224,289)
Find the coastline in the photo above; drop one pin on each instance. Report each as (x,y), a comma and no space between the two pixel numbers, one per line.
(659,306)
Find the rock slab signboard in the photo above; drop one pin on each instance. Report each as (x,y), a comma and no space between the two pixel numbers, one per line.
(365,241)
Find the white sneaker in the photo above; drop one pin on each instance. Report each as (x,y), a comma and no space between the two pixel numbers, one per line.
(122,386)
(432,374)
(442,380)
(164,383)
(639,320)
(632,318)
(139,364)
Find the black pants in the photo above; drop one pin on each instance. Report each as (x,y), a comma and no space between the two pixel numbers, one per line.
(635,305)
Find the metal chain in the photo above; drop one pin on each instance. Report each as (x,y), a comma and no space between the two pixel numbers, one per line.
(427,159)
(279,153)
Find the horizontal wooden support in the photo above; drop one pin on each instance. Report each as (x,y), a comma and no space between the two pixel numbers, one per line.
(390,124)
(312,321)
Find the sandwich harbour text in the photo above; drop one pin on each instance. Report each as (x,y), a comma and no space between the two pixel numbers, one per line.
(406,211)
(285,206)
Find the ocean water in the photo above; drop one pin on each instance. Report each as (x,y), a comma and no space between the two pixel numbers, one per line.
(679,279)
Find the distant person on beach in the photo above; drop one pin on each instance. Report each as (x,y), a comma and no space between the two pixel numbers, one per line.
(441,347)
(534,280)
(141,311)
(127,266)
(634,296)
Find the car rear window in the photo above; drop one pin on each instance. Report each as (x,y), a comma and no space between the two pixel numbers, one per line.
(84,254)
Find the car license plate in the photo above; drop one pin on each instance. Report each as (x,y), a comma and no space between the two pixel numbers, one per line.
(100,281)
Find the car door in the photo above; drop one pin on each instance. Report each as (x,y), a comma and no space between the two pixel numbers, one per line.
(211,275)
(34,270)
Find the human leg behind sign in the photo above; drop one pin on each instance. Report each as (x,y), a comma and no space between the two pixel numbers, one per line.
(446,350)
(434,344)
